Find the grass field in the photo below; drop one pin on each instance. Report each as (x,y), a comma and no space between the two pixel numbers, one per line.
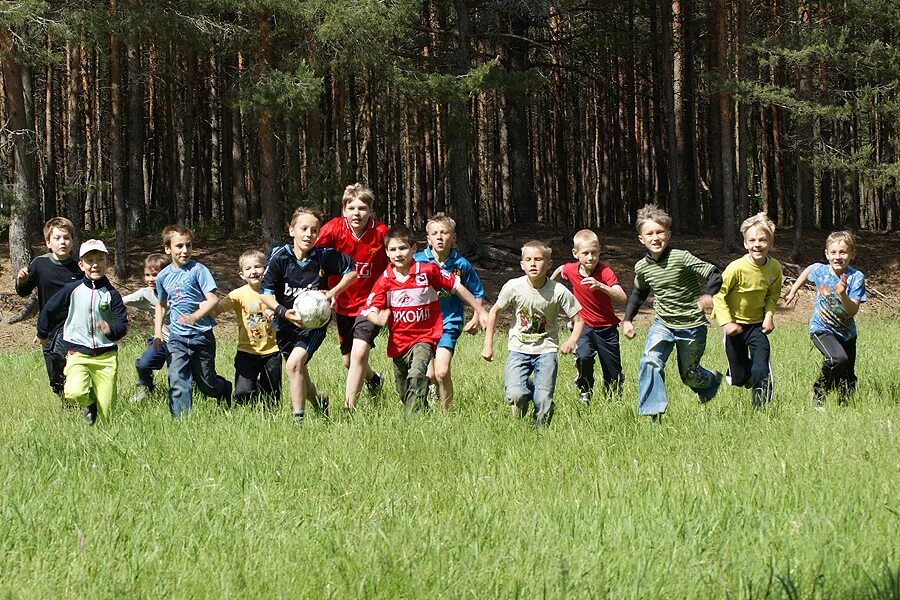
(717,501)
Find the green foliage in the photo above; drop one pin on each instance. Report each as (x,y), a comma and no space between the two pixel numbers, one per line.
(288,93)
(718,501)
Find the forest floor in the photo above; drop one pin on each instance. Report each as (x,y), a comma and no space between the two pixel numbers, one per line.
(878,257)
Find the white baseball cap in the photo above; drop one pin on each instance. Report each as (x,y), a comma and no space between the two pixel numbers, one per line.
(91,246)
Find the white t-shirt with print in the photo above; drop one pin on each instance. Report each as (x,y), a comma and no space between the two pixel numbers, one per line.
(536,325)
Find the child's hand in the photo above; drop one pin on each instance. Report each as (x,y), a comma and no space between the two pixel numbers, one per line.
(292,316)
(568,346)
(791,297)
(269,314)
(104,327)
(187,319)
(487,353)
(472,326)
(331,299)
(628,329)
(768,324)
(705,302)
(22,275)
(39,341)
(592,283)
(841,285)
(732,329)
(157,343)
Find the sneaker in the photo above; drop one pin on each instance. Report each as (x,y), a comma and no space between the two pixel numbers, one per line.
(322,403)
(90,413)
(141,393)
(298,417)
(433,396)
(710,393)
(585,398)
(817,400)
(375,384)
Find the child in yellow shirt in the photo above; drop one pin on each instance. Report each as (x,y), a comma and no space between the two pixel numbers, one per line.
(745,309)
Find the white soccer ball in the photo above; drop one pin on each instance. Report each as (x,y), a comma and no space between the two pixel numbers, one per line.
(313,308)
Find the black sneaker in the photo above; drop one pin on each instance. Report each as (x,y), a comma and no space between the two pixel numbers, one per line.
(298,417)
(709,394)
(90,413)
(585,398)
(375,384)
(322,403)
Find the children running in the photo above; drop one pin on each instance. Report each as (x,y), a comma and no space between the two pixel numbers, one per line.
(840,289)
(292,270)
(745,309)
(94,320)
(441,232)
(407,293)
(145,299)
(533,339)
(673,277)
(595,286)
(187,289)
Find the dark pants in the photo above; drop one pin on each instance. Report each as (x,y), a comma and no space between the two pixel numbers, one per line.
(839,368)
(148,362)
(748,362)
(193,358)
(256,374)
(602,342)
(411,375)
(55,359)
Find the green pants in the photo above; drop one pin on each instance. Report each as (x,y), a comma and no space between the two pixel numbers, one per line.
(411,375)
(85,374)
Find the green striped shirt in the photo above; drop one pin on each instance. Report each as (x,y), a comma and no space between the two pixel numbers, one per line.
(674,281)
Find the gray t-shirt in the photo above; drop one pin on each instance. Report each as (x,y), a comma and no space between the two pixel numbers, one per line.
(536,327)
(145,299)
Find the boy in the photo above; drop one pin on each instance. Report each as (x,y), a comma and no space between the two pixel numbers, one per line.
(407,292)
(49,273)
(95,319)
(145,299)
(293,269)
(745,309)
(441,232)
(257,362)
(840,289)
(533,339)
(358,235)
(672,275)
(595,286)
(187,289)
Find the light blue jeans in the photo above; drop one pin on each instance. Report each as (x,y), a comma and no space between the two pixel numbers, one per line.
(520,389)
(690,343)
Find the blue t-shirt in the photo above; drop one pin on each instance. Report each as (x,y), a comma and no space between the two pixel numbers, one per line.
(829,315)
(184,289)
(451,306)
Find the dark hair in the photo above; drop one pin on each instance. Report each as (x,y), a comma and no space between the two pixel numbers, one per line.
(398,232)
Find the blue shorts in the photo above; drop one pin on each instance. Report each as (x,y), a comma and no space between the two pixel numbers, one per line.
(448,339)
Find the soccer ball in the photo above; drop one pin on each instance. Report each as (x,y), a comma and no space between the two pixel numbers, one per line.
(313,308)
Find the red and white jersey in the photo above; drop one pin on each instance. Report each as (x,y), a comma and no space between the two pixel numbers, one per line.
(413,301)
(368,252)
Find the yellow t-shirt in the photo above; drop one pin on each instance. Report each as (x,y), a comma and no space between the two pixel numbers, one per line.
(255,332)
(748,291)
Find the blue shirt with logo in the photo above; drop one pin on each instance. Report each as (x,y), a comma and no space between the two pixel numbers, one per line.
(183,289)
(829,315)
(452,308)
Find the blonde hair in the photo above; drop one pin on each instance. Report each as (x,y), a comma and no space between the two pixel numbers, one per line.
(358,191)
(302,210)
(58,223)
(441,218)
(762,222)
(585,237)
(169,231)
(156,261)
(652,212)
(538,245)
(249,254)
(842,236)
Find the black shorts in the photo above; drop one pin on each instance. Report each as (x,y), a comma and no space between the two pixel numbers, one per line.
(355,328)
(290,337)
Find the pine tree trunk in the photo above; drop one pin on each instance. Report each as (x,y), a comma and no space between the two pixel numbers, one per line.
(116,157)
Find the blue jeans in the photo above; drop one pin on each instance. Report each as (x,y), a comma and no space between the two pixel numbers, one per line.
(520,389)
(194,356)
(690,343)
(148,362)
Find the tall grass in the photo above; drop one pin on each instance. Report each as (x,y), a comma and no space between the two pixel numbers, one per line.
(717,501)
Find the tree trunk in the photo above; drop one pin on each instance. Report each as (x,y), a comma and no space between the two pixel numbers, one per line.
(116,158)
(266,139)
(136,187)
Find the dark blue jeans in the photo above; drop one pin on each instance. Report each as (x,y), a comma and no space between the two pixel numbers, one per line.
(193,357)
(602,342)
(148,362)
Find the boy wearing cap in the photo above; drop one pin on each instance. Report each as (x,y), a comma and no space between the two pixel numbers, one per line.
(95,320)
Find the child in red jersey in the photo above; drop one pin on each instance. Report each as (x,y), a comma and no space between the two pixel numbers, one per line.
(358,235)
(595,286)
(407,292)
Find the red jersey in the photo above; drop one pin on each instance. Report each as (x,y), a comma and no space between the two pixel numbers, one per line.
(596,307)
(415,308)
(368,252)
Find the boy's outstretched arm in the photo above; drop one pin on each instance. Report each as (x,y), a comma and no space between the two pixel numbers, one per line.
(557,273)
(487,350)
(204,309)
(376,316)
(569,345)
(802,278)
(345,282)
(466,296)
